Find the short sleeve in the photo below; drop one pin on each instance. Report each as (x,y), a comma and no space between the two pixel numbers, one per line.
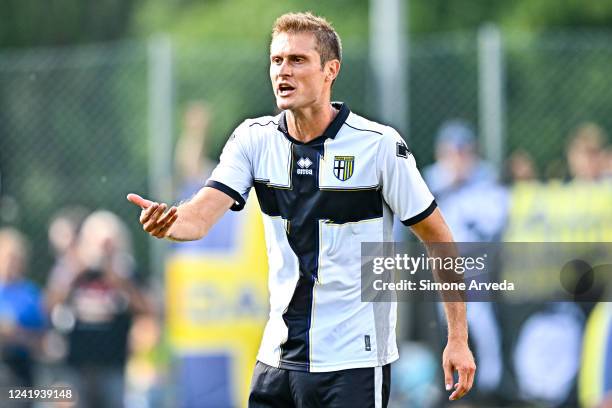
(234,173)
(403,188)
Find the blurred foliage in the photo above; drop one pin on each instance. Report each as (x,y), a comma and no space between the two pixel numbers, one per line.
(250,20)
(72,133)
(555,82)
(243,21)
(30,23)
(430,16)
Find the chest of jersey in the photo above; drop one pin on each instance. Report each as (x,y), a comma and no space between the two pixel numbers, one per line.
(329,164)
(325,181)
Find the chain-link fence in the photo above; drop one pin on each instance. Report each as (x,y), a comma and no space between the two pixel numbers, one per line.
(554,83)
(74,121)
(72,132)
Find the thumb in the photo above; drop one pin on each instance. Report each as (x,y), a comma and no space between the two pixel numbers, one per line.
(448,376)
(139,201)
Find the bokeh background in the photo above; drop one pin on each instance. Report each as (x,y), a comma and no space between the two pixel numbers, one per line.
(506,106)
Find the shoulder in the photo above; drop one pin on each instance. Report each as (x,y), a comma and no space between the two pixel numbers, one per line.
(359,124)
(383,134)
(258,125)
(254,131)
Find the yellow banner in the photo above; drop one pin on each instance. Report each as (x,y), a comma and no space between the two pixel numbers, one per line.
(553,212)
(561,212)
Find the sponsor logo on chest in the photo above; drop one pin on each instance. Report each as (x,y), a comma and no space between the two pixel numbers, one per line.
(304,166)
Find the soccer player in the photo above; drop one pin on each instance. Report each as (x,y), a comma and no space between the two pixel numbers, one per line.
(326,180)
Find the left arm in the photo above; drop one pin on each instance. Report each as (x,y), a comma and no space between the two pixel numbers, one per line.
(457,355)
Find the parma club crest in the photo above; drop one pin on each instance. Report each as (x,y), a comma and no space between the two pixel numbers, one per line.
(343,167)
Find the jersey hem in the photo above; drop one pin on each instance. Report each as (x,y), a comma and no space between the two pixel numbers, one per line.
(322,368)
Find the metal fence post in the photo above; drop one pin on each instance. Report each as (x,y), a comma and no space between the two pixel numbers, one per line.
(389,65)
(161,103)
(388,61)
(491,94)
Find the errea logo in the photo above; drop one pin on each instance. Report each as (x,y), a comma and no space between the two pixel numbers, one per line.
(304,164)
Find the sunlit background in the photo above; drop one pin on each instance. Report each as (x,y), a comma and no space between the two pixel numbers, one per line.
(506,106)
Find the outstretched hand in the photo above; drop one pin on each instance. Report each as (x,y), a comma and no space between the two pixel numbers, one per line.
(154,218)
(458,357)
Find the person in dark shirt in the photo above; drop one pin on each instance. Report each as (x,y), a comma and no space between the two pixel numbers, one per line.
(97,305)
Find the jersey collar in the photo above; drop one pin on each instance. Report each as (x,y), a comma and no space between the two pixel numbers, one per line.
(331,131)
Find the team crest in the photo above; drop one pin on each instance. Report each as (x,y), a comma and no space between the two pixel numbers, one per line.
(343,167)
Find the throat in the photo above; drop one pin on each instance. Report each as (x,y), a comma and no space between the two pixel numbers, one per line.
(307,126)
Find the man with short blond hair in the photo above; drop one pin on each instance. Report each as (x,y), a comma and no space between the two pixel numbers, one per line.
(328,43)
(326,180)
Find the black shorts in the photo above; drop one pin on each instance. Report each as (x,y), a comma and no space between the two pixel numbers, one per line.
(354,388)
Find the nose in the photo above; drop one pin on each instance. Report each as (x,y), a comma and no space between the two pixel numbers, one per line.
(284,69)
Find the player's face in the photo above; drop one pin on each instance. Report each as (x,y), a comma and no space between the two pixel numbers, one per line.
(298,80)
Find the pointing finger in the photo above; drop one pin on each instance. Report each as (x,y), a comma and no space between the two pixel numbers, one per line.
(139,201)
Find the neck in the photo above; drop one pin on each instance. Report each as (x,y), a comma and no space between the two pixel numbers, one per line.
(308,124)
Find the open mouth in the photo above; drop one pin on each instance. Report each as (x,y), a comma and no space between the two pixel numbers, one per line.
(285,89)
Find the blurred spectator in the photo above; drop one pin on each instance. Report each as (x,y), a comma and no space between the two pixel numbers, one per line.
(21,311)
(193,168)
(586,155)
(546,353)
(95,306)
(63,238)
(148,358)
(475,207)
(457,164)
(192,163)
(608,164)
(520,167)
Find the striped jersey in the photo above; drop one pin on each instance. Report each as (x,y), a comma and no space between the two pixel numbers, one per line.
(320,200)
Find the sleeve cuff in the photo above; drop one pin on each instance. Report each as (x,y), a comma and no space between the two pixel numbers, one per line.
(238,199)
(420,217)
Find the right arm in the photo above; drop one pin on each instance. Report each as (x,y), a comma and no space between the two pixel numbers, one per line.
(189,221)
(229,185)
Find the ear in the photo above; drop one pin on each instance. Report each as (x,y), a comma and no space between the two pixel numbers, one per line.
(332,69)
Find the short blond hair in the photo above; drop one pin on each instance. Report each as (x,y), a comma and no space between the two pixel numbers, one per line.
(328,45)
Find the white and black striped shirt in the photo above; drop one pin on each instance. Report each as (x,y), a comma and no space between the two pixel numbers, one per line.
(320,201)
